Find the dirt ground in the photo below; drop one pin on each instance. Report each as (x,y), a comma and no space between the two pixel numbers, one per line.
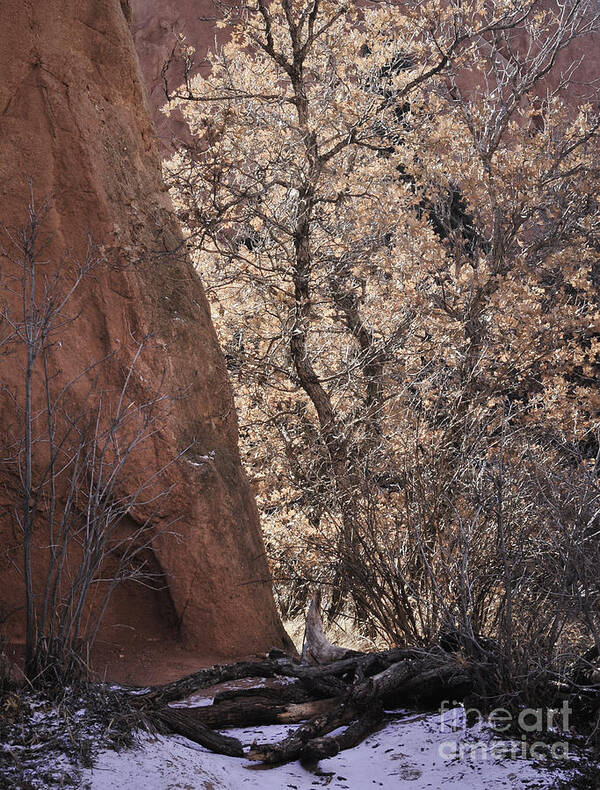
(139,663)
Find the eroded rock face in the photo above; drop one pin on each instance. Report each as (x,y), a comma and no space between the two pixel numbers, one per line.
(156,27)
(73,118)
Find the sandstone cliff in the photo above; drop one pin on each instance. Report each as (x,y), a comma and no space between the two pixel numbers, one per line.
(155,27)
(73,117)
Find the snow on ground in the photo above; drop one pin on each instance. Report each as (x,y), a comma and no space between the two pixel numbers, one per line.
(411,751)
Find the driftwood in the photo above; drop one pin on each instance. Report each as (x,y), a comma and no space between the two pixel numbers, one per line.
(180,722)
(321,681)
(205,678)
(363,704)
(317,649)
(252,710)
(291,691)
(338,688)
(321,747)
(299,742)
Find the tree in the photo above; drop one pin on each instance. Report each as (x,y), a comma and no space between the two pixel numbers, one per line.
(396,221)
(68,447)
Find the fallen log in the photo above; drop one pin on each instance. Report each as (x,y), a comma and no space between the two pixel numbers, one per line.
(334,688)
(250,711)
(293,747)
(320,680)
(291,691)
(328,746)
(158,696)
(350,692)
(308,744)
(181,722)
(404,680)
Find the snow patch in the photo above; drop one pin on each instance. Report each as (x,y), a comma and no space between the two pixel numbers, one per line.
(407,752)
(200,460)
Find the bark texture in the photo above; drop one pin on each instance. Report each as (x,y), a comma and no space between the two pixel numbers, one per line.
(351,693)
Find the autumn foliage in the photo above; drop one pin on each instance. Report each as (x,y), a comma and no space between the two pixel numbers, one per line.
(394,210)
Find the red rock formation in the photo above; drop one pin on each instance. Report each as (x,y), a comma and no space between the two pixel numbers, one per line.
(156,26)
(157,23)
(73,117)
